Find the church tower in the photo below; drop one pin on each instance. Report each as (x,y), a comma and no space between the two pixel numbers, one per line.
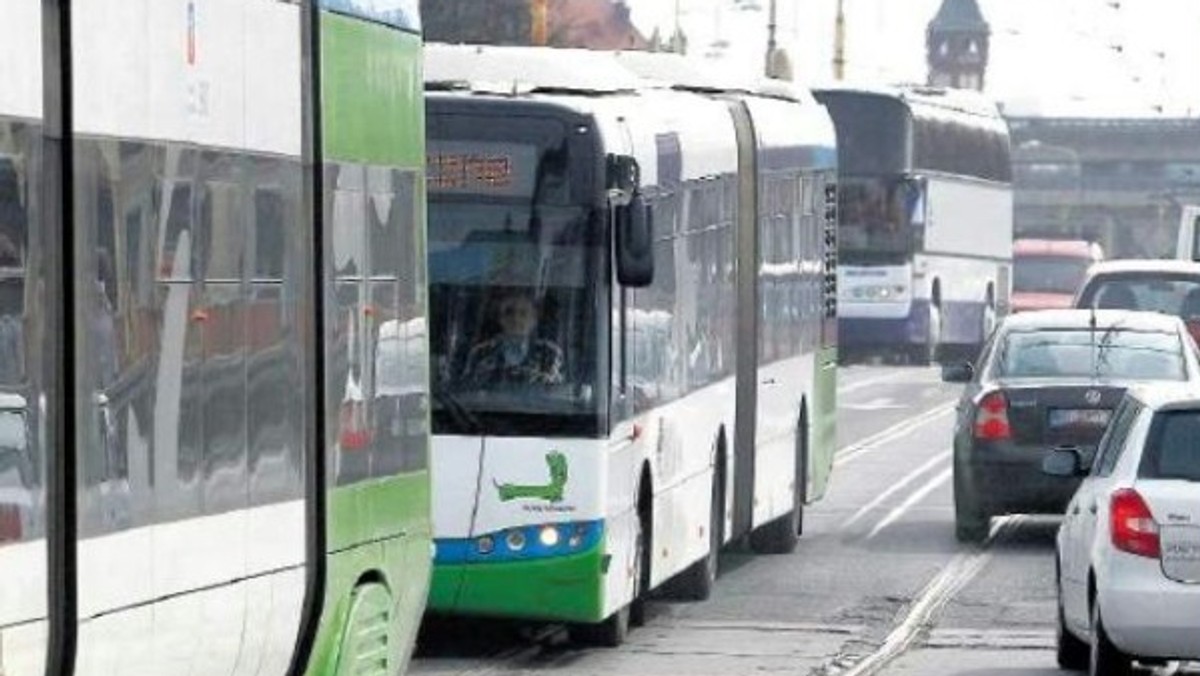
(956,44)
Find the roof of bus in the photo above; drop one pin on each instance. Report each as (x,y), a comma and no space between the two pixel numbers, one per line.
(918,96)
(670,70)
(1072,248)
(525,70)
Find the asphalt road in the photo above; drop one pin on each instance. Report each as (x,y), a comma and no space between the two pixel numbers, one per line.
(878,584)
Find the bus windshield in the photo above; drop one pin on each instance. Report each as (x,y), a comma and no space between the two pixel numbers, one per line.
(515,298)
(874,223)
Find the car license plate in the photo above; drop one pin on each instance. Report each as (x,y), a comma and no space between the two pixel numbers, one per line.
(1085,417)
(1181,553)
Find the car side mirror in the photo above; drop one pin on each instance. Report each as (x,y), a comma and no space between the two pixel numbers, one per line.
(1065,462)
(962,372)
(635,243)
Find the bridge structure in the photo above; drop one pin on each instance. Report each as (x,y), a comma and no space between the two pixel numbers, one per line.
(1118,182)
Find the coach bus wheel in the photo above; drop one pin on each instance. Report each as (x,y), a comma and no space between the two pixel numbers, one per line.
(933,342)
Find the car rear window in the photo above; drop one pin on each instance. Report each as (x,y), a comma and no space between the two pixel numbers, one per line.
(1133,355)
(1175,296)
(1173,448)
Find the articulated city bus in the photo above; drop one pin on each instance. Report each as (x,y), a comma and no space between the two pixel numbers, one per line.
(213,428)
(632,332)
(926,213)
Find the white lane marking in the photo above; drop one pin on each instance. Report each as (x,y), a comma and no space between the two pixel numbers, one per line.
(912,501)
(877,380)
(923,613)
(899,486)
(876,404)
(897,431)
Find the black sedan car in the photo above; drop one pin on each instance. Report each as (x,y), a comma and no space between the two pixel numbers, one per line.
(1045,380)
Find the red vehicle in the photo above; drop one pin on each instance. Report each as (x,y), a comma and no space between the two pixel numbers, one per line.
(1047,273)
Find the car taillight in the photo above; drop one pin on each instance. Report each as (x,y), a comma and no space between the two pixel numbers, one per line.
(1133,527)
(991,418)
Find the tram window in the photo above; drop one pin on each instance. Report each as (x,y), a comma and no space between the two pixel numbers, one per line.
(223,228)
(385,223)
(271,244)
(349,205)
(175,256)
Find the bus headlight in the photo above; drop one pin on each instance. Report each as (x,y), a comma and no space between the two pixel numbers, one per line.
(549,536)
(486,545)
(515,540)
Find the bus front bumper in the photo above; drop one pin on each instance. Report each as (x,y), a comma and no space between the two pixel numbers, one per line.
(566,588)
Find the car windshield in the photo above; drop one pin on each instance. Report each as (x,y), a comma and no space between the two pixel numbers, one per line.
(1082,353)
(1173,449)
(1178,296)
(1048,274)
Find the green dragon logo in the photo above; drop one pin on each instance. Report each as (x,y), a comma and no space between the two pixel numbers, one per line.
(551,492)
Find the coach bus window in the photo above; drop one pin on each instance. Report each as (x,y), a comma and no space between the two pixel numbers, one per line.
(506,240)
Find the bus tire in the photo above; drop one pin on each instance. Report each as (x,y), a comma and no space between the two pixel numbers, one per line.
(696,582)
(781,535)
(801,470)
(613,630)
(933,342)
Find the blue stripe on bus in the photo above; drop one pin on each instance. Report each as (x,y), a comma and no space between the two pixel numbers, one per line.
(499,549)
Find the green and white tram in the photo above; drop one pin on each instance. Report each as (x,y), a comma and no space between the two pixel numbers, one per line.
(632,331)
(213,416)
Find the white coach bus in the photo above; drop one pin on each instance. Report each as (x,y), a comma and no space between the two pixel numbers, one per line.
(926,221)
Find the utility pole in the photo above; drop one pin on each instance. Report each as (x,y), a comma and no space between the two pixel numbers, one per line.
(539,16)
(839,42)
(772,26)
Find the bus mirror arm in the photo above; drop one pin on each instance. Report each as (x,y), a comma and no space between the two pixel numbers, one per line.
(624,176)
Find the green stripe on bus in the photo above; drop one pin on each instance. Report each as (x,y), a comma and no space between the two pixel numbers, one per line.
(565,589)
(371,84)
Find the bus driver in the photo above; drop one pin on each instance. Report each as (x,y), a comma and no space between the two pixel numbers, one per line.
(515,356)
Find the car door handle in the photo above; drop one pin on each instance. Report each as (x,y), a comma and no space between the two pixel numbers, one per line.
(770,381)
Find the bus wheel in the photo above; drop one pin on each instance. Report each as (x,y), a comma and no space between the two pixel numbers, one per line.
(801,470)
(613,631)
(781,535)
(697,581)
(933,342)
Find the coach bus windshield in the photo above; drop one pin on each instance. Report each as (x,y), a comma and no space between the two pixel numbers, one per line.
(516,269)
(875,225)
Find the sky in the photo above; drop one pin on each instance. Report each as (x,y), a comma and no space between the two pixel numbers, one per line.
(1100,58)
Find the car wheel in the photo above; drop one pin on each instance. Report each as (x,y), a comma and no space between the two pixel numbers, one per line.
(1106,658)
(971,524)
(1072,654)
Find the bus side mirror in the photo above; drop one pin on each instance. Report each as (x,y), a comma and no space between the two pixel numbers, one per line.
(635,243)
(915,191)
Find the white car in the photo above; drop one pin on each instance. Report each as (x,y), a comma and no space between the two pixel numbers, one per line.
(1129,546)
